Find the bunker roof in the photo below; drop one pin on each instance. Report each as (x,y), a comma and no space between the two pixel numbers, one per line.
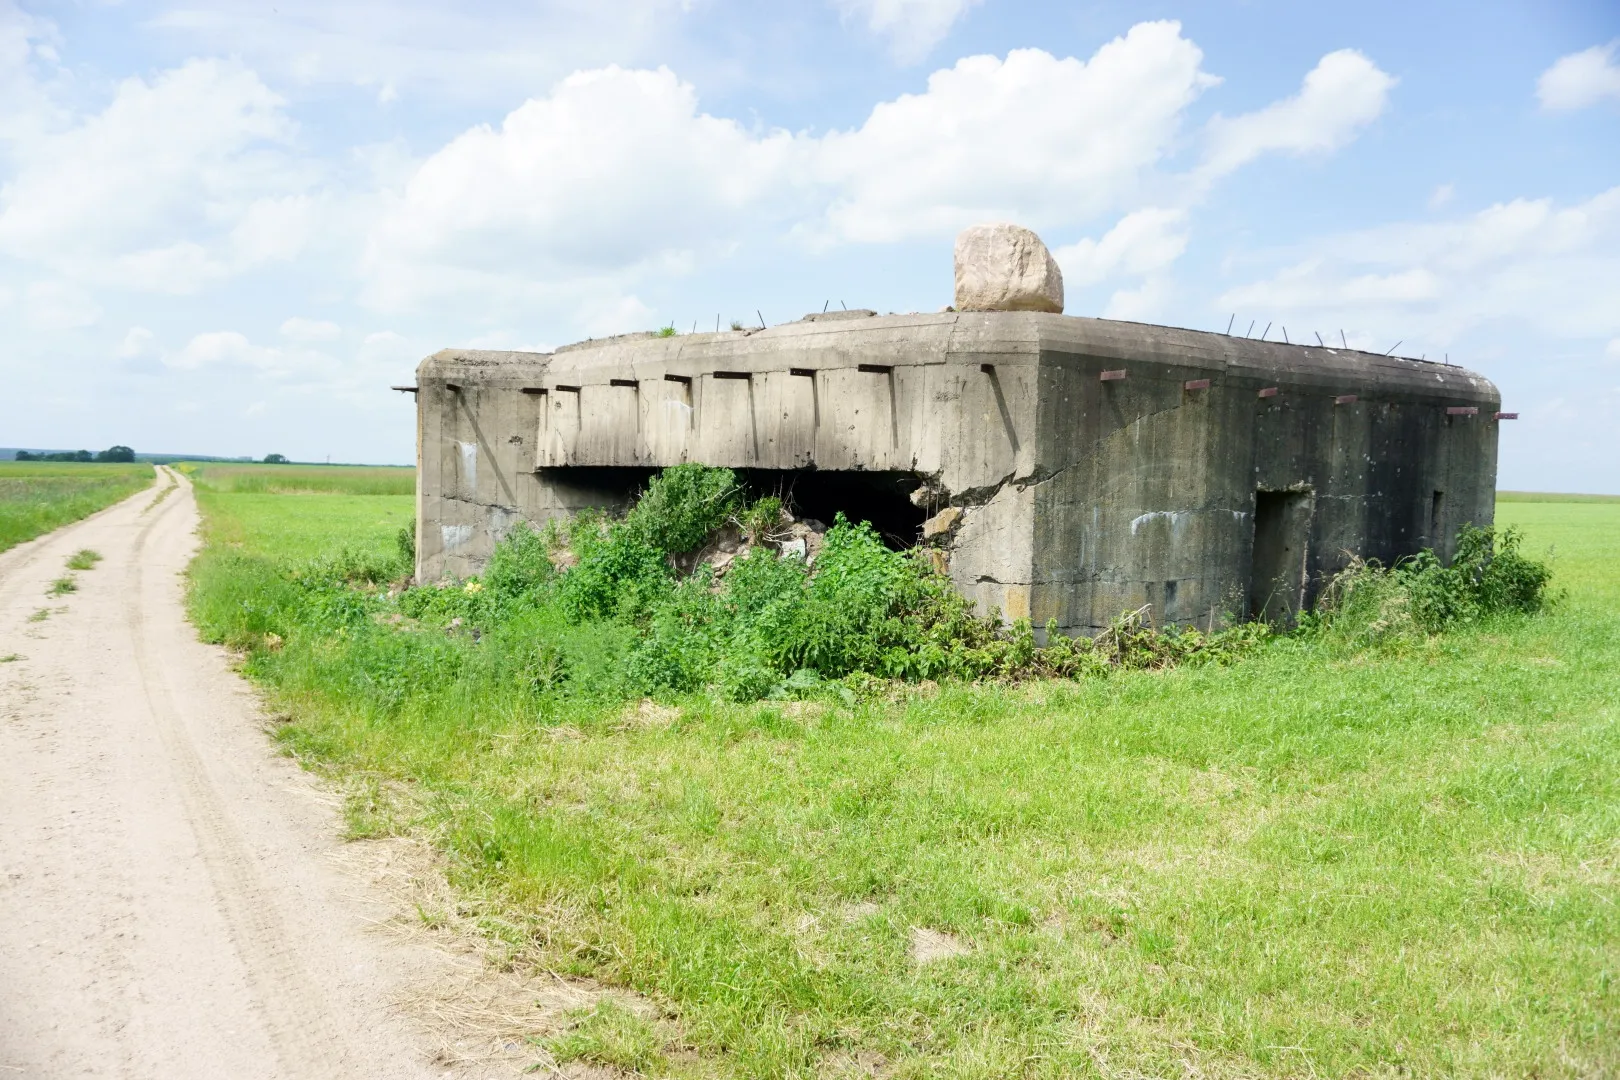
(853,338)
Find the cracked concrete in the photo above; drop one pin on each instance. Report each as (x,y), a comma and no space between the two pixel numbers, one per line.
(1093,466)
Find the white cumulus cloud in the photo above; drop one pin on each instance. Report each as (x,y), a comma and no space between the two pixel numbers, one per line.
(180,180)
(1556,268)
(1032,138)
(613,170)
(615,173)
(912,27)
(1581,79)
(1341,95)
(222,348)
(1141,243)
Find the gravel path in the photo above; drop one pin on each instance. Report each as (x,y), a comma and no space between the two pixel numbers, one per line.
(167,904)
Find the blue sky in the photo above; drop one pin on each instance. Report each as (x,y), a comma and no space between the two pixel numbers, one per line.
(227,229)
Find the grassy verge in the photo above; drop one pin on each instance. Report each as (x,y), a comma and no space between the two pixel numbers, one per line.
(1318,861)
(36,497)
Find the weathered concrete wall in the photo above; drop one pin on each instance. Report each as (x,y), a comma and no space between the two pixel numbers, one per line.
(1093,470)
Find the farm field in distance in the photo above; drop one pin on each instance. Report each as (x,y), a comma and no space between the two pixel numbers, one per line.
(299,512)
(38,496)
(247,478)
(1314,862)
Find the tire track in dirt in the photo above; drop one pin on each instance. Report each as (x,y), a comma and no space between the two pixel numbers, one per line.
(294,1008)
(169,901)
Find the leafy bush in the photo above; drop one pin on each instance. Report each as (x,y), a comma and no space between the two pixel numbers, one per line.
(520,568)
(1369,604)
(620,573)
(618,619)
(682,506)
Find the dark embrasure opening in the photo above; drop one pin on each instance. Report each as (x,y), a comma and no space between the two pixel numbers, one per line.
(883,499)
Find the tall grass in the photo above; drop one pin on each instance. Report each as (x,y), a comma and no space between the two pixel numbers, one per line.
(36,497)
(1327,859)
(305,479)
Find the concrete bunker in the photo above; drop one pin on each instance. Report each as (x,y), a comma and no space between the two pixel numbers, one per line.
(1064,468)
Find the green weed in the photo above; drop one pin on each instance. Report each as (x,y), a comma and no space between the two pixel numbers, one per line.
(612,1035)
(162,494)
(405,540)
(62,586)
(11,658)
(40,616)
(1489,576)
(84,559)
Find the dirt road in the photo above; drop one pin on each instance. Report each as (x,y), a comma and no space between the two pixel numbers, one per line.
(166,905)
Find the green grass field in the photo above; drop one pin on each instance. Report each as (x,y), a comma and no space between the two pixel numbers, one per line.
(38,496)
(1312,863)
(305,479)
(294,512)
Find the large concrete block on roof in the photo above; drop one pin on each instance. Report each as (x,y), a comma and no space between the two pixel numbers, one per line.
(1006,268)
(1096,466)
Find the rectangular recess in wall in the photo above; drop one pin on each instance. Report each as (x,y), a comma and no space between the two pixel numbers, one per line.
(1269,391)
(1195,384)
(875,369)
(1462,410)
(1345,399)
(631,383)
(684,380)
(802,372)
(1113,376)
(454,388)
(1282,529)
(534,390)
(567,389)
(733,375)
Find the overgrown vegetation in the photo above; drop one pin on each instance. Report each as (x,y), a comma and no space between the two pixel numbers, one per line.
(37,497)
(1350,853)
(1489,575)
(624,620)
(83,559)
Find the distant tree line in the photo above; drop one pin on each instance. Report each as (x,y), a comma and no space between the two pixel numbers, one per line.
(112,453)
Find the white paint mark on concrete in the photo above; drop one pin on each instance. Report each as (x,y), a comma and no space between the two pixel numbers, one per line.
(454,536)
(469,468)
(1172,516)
